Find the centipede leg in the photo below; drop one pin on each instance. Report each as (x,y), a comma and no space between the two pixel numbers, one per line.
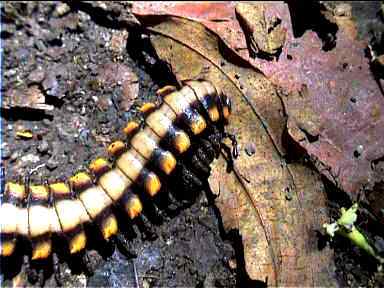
(41,277)
(86,263)
(124,246)
(208,150)
(152,210)
(31,273)
(189,185)
(146,228)
(56,270)
(199,164)
(227,150)
(172,206)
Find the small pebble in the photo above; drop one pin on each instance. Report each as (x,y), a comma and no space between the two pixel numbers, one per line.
(36,76)
(250,149)
(232,263)
(61,9)
(39,44)
(51,85)
(52,163)
(43,147)
(47,122)
(32,158)
(5,151)
(379,244)
(14,156)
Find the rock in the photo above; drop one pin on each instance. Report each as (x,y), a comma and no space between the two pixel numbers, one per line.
(36,76)
(50,85)
(5,151)
(52,163)
(61,9)
(43,147)
(14,156)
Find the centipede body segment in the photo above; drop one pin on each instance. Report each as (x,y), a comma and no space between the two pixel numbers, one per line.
(150,154)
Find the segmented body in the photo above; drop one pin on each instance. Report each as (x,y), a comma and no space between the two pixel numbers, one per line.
(151,153)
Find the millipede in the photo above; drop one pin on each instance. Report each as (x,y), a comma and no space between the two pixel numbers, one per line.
(178,140)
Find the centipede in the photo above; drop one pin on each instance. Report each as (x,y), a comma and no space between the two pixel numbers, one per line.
(177,141)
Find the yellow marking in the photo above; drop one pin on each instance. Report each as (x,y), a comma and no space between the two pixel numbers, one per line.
(98,165)
(133,207)
(226,112)
(109,227)
(26,134)
(181,141)
(214,114)
(131,127)
(41,250)
(147,107)
(116,147)
(80,179)
(15,189)
(7,247)
(152,184)
(59,188)
(39,191)
(77,243)
(165,90)
(167,162)
(114,182)
(198,125)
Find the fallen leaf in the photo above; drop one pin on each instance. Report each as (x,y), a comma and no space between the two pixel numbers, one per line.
(278,235)
(342,92)
(30,97)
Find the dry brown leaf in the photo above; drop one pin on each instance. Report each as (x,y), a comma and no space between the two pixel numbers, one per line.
(279,236)
(30,97)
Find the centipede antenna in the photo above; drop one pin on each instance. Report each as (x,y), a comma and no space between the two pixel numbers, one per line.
(124,246)
(235,151)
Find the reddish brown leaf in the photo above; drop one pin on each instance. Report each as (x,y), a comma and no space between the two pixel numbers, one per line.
(278,235)
(341,90)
